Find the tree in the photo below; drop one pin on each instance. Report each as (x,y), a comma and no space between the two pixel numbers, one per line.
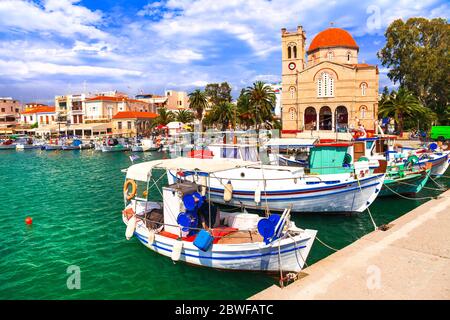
(223,113)
(402,105)
(164,117)
(218,93)
(262,100)
(245,112)
(184,116)
(418,54)
(198,102)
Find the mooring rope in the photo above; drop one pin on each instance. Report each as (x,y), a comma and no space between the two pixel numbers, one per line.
(368,210)
(326,245)
(408,198)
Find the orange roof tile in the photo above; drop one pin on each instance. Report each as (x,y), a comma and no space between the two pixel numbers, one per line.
(39,109)
(332,37)
(134,114)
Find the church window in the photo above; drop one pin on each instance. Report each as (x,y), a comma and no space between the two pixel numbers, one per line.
(349,55)
(289,52)
(330,55)
(325,85)
(292,114)
(292,92)
(295,52)
(363,88)
(363,112)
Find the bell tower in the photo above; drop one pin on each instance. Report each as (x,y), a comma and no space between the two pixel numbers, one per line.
(293,61)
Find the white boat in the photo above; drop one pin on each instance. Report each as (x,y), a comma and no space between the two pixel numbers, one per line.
(242,241)
(145,145)
(51,147)
(115,145)
(325,187)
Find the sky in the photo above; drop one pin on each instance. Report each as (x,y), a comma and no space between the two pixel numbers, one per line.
(56,47)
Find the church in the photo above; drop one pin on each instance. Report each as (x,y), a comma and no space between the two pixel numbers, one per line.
(326,89)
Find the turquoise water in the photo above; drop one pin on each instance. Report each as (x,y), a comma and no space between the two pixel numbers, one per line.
(75,200)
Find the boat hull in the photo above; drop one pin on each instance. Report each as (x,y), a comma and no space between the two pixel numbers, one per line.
(335,193)
(440,164)
(7,147)
(410,184)
(245,257)
(114,149)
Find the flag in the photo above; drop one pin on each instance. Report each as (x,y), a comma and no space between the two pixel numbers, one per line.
(134,157)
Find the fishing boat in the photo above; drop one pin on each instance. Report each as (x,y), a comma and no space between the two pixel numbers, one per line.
(113,145)
(74,145)
(331,183)
(51,147)
(400,180)
(26,144)
(145,145)
(234,241)
(8,144)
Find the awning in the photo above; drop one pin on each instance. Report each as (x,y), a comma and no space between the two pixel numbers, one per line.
(142,171)
(82,126)
(291,142)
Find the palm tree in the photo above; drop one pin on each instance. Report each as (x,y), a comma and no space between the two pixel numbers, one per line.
(401,105)
(245,112)
(164,117)
(224,113)
(184,116)
(198,102)
(262,100)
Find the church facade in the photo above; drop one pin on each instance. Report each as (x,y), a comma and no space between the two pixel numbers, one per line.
(325,88)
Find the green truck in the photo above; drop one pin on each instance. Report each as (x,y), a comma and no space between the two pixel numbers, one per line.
(440,133)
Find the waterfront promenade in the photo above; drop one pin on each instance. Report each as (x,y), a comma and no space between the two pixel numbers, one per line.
(411,260)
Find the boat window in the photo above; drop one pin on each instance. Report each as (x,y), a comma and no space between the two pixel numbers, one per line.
(369,145)
(230,152)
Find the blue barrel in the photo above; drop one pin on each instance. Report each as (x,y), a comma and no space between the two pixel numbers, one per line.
(187,220)
(203,240)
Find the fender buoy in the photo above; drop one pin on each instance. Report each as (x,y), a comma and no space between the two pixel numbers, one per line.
(28,220)
(258,194)
(130,195)
(228,192)
(151,238)
(203,183)
(176,250)
(131,226)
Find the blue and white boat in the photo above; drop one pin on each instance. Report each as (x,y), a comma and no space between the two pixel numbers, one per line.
(234,241)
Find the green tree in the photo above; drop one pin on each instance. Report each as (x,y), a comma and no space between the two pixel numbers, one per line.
(218,93)
(184,116)
(417,52)
(224,113)
(164,117)
(402,105)
(262,100)
(245,112)
(198,102)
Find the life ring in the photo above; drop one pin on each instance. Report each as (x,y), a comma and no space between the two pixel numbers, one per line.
(133,189)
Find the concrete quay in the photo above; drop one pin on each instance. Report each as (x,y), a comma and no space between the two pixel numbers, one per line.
(411,260)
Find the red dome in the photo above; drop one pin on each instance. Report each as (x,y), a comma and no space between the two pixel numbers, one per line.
(333,37)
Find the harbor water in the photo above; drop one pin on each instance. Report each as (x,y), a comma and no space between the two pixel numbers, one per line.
(75,201)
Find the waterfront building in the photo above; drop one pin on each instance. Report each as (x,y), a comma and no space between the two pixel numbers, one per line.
(325,88)
(38,114)
(101,109)
(155,101)
(9,114)
(132,123)
(177,100)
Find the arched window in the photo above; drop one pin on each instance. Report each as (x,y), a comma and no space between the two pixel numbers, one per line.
(349,55)
(292,92)
(325,119)
(295,52)
(363,88)
(289,52)
(325,85)
(330,55)
(292,114)
(310,118)
(341,119)
(363,112)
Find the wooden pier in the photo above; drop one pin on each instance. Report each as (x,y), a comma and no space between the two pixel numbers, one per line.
(411,260)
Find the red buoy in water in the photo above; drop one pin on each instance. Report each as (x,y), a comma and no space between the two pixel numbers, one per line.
(28,220)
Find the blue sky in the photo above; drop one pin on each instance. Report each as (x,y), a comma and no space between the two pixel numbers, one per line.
(53,47)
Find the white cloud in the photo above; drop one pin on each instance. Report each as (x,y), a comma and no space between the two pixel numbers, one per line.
(62,17)
(23,70)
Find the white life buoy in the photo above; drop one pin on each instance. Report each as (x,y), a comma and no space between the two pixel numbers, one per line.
(228,192)
(176,250)
(131,226)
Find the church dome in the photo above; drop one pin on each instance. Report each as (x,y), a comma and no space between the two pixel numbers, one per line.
(331,38)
